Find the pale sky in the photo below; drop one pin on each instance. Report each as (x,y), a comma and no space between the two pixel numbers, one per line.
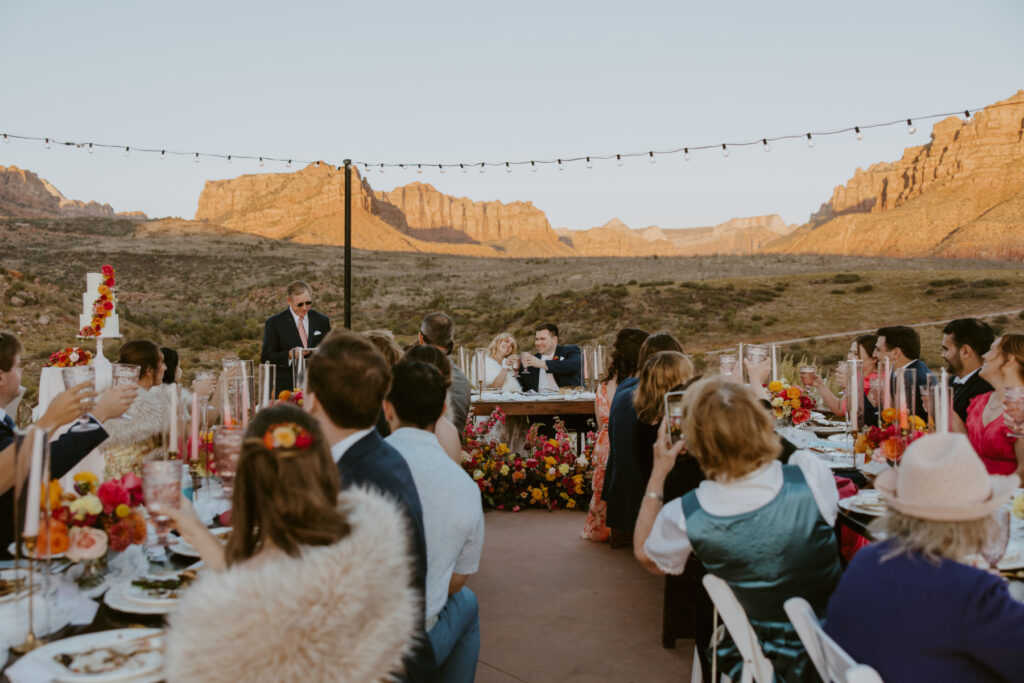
(472,81)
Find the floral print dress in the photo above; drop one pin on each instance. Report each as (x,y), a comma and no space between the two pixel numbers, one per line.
(595,529)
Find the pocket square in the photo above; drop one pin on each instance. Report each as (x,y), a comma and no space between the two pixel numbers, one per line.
(316,333)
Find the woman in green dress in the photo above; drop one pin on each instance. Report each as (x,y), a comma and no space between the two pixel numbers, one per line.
(763,527)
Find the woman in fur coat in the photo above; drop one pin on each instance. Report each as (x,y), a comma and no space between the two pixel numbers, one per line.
(312,586)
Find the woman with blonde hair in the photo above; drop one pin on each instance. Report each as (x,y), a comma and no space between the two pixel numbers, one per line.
(500,364)
(763,527)
(986,426)
(933,616)
(334,567)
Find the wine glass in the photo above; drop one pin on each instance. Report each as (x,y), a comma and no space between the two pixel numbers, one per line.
(756,353)
(807,375)
(227,447)
(1013,401)
(73,376)
(996,545)
(727,363)
(161,490)
(124,373)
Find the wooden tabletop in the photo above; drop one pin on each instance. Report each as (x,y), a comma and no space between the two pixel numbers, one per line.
(556,407)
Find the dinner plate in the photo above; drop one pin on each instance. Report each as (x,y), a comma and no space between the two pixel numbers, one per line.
(183,548)
(55,556)
(146,667)
(865,503)
(1013,559)
(9,574)
(120,598)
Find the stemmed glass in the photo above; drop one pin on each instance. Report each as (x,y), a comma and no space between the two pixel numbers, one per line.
(1013,400)
(756,353)
(727,363)
(161,490)
(124,373)
(73,376)
(995,548)
(227,447)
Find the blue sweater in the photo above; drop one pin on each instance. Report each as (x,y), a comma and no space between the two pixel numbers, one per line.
(915,621)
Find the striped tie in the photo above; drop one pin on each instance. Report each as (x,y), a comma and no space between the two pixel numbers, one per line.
(302,332)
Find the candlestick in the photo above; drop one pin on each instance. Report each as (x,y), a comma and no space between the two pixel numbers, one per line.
(775,363)
(172,446)
(245,395)
(193,432)
(886,383)
(265,390)
(35,478)
(739,361)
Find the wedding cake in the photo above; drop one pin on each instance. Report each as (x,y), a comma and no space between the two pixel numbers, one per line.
(95,297)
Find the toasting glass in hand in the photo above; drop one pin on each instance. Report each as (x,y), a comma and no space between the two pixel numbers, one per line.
(1013,400)
(161,489)
(74,376)
(995,548)
(227,446)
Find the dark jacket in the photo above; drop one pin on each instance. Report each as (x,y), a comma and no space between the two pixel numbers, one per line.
(281,335)
(622,475)
(65,452)
(911,620)
(566,367)
(373,462)
(963,393)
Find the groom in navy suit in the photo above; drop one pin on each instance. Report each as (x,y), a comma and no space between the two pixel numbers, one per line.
(554,366)
(297,329)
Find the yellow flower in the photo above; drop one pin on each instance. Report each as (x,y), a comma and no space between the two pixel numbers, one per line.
(550,476)
(775,386)
(89,479)
(563,469)
(477,475)
(86,505)
(1018,506)
(578,478)
(795,403)
(916,422)
(502,449)
(504,470)
(552,442)
(538,494)
(793,392)
(122,510)
(549,461)
(571,504)
(284,437)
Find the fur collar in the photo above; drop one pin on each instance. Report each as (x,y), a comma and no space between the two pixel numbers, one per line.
(146,417)
(344,612)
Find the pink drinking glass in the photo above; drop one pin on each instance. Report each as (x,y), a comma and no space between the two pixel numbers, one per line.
(161,490)
(1013,401)
(227,447)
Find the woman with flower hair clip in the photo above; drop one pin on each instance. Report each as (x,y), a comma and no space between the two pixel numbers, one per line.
(335,568)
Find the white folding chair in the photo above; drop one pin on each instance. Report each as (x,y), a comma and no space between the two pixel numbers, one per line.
(831,661)
(756,666)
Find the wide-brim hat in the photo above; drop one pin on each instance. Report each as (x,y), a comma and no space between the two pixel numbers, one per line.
(941,478)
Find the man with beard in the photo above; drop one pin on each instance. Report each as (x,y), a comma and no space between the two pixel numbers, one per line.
(964,342)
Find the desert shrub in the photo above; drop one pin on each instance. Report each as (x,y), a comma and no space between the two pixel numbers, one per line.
(970,294)
(990,282)
(860,289)
(947,282)
(846,278)
(1001,320)
(838,291)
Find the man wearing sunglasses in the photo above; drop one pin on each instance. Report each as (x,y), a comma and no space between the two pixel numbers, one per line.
(296,330)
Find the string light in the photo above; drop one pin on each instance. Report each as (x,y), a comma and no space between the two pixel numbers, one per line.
(562,162)
(419,169)
(229,159)
(481,168)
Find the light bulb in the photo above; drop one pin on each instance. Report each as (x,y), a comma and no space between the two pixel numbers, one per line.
(618,160)
(366,169)
(860,136)
(318,164)
(401,166)
(686,154)
(127,151)
(590,164)
(653,159)
(560,167)
(47,143)
(197,157)
(90,151)
(810,140)
(441,168)
(289,164)
(911,128)
(419,169)
(381,169)
(7,141)
(725,150)
(967,117)
(229,159)
(462,167)
(533,167)
(261,162)
(481,168)
(508,169)
(765,145)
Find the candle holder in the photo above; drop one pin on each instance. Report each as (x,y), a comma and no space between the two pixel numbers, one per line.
(38,474)
(480,368)
(31,641)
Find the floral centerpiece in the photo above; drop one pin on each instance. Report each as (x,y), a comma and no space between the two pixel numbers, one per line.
(96,518)
(103,306)
(790,403)
(291,396)
(887,442)
(68,357)
(550,474)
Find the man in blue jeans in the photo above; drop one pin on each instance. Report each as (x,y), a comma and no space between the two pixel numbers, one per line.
(453,519)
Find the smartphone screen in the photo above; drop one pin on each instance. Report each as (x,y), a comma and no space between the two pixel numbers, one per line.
(674,413)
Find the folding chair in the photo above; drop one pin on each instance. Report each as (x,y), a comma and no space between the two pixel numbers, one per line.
(756,666)
(831,661)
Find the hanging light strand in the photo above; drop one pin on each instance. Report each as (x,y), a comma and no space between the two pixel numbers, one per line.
(533,164)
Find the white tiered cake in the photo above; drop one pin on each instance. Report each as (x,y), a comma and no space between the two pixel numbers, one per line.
(92,292)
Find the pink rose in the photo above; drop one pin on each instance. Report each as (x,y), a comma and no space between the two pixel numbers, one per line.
(133,484)
(112,494)
(86,544)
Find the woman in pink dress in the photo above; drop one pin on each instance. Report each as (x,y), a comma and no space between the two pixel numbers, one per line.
(986,427)
(625,352)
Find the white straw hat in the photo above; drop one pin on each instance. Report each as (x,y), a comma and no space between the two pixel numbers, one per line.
(940,477)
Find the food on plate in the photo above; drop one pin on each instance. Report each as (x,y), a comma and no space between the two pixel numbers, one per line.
(166,588)
(12,586)
(127,655)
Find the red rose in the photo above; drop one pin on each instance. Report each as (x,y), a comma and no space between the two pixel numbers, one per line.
(107,271)
(109,282)
(303,441)
(112,494)
(800,415)
(119,535)
(62,514)
(108,305)
(806,402)
(133,485)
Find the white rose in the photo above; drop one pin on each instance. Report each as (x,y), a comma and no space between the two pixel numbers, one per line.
(73,357)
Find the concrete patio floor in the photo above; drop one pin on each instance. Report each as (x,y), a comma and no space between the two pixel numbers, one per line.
(556,608)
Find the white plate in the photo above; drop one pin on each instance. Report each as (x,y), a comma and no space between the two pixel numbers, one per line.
(854,503)
(55,556)
(146,666)
(120,599)
(183,548)
(11,574)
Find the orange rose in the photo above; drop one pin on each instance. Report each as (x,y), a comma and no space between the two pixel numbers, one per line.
(793,392)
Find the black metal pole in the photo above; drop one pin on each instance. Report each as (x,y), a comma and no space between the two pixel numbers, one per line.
(348,244)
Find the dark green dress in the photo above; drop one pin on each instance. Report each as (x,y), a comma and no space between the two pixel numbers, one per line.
(782,550)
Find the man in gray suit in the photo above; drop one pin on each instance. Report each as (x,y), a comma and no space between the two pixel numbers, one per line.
(438,329)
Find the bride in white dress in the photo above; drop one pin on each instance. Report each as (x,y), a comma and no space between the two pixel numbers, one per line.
(501,363)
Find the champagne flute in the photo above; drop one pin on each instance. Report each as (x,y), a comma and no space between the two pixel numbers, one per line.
(73,376)
(227,447)
(161,490)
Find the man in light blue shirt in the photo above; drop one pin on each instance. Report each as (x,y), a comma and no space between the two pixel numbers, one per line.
(453,520)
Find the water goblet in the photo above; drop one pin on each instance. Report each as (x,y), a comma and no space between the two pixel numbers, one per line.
(124,373)
(808,373)
(73,376)
(1013,402)
(995,548)
(756,353)
(227,447)
(161,491)
(727,363)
